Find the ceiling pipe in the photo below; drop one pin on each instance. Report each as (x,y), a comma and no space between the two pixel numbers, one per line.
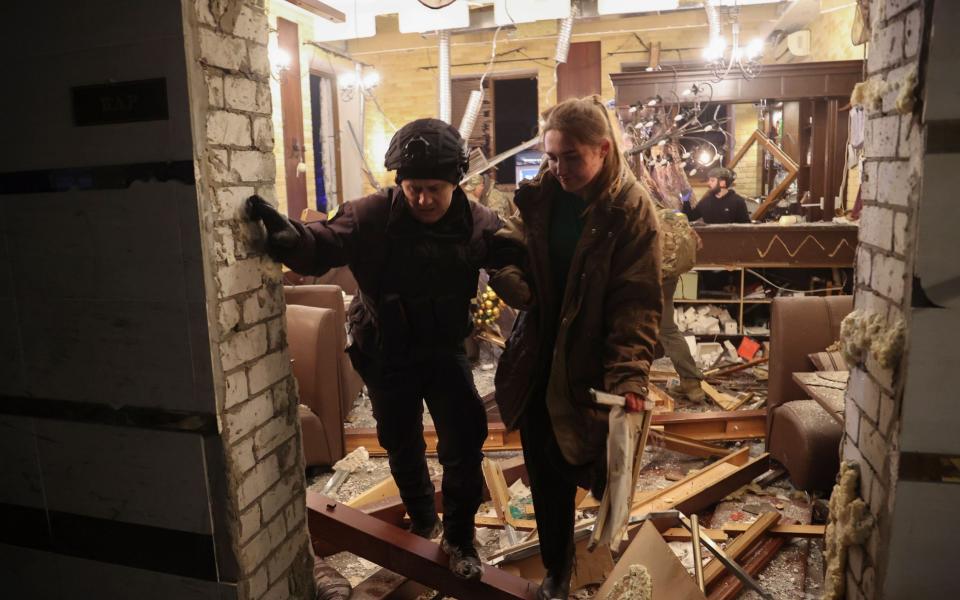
(443,77)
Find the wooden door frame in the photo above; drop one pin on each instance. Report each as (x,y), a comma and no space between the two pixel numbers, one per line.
(291,111)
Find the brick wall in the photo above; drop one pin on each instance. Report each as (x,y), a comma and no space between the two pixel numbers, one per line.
(885,259)
(256,394)
(830,33)
(748,169)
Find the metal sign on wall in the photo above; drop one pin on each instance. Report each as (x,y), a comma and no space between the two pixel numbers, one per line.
(120,102)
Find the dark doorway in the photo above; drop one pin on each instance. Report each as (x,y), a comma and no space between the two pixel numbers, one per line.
(515,119)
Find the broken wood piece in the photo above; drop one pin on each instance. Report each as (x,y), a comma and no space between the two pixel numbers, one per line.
(663,401)
(697,559)
(723,400)
(703,488)
(721,556)
(498,439)
(783,530)
(715,426)
(729,587)
(685,445)
(742,399)
(499,494)
(734,368)
(385,488)
(405,553)
(678,534)
(497,523)
(715,569)
(671,581)
(392,510)
(378,586)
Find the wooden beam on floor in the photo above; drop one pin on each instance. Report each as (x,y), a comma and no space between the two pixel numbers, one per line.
(735,549)
(714,426)
(392,510)
(498,439)
(760,556)
(787,531)
(406,554)
(704,488)
(679,534)
(720,372)
(685,445)
(722,399)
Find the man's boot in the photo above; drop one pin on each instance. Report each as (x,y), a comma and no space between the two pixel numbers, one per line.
(691,389)
(331,585)
(555,585)
(464,559)
(429,531)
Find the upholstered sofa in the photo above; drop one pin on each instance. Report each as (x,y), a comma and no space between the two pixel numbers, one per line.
(315,357)
(334,378)
(801,435)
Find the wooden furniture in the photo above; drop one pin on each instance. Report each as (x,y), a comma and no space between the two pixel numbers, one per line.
(814,125)
(767,248)
(827,388)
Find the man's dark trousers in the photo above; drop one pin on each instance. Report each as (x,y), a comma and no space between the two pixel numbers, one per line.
(397,393)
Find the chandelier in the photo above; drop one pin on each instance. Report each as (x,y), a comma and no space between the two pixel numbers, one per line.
(722,60)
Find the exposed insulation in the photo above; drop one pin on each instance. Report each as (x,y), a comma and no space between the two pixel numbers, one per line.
(863,333)
(850,524)
(635,585)
(906,98)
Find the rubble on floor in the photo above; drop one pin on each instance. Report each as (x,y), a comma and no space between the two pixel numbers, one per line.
(795,570)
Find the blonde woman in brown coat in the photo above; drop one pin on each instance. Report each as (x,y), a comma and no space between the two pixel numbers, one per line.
(590,291)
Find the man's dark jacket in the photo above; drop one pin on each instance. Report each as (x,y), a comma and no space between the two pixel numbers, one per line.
(731,208)
(416,280)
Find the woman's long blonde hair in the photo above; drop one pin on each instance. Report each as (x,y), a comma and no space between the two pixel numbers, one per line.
(586,120)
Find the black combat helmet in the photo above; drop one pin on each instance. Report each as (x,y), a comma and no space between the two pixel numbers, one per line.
(427,149)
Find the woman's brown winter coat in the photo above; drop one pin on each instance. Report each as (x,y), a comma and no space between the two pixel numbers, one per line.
(606,324)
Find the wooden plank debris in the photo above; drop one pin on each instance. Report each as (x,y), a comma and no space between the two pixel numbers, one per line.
(498,439)
(407,554)
(703,488)
(685,445)
(722,371)
(715,426)
(664,401)
(730,587)
(679,534)
(739,546)
(722,399)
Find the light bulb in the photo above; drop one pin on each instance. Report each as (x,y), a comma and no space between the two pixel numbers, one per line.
(347,79)
(754,48)
(714,50)
(704,158)
(662,143)
(633,109)
(371,79)
(708,128)
(279,58)
(693,172)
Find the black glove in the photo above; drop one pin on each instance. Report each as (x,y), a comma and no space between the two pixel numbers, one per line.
(282,236)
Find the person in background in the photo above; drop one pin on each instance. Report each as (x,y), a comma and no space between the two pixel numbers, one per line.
(415,251)
(721,204)
(482,189)
(589,287)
